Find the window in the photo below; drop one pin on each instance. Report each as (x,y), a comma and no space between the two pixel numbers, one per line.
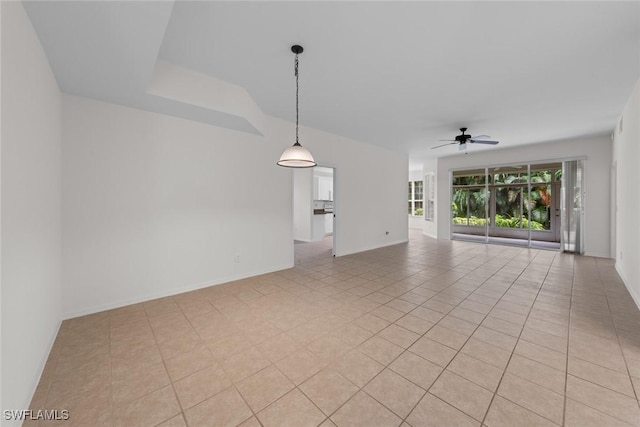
(416,198)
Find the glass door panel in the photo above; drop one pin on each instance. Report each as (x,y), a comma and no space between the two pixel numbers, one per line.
(513,204)
(539,205)
(459,206)
(509,219)
(477,206)
(509,203)
(468,209)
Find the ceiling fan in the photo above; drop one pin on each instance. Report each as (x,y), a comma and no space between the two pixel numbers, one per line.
(463,138)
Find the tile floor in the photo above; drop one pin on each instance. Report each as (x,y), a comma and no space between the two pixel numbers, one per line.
(429,333)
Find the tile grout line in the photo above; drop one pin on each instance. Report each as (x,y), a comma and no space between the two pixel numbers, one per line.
(271,364)
(478,326)
(398,273)
(436,323)
(327,417)
(113,406)
(219,362)
(495,393)
(624,357)
(404,351)
(164,363)
(566,374)
(604,367)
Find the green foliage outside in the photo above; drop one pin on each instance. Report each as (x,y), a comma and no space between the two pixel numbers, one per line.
(500,222)
(418,212)
(513,203)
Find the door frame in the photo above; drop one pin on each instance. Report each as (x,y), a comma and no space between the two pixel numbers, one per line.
(335,193)
(556,188)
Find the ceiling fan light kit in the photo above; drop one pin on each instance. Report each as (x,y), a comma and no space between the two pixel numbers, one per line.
(296,156)
(463,139)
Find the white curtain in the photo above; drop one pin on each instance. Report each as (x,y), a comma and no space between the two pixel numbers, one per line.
(572,206)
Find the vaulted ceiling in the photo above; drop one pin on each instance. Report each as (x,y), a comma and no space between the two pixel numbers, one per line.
(401,75)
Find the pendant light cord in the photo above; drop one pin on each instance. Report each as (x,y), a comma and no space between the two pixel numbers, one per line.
(296,71)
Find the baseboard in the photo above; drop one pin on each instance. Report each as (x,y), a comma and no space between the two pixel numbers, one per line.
(43,363)
(370,248)
(636,298)
(433,236)
(172,291)
(598,254)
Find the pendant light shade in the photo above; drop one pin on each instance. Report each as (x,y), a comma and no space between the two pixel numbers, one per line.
(296,156)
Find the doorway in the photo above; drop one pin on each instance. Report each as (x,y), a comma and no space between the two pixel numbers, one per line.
(314,213)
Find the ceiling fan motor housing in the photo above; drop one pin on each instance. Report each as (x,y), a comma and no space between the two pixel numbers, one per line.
(463,137)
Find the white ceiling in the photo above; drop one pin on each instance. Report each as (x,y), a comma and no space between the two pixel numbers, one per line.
(397,74)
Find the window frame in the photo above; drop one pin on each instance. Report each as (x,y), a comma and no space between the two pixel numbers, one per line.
(413,201)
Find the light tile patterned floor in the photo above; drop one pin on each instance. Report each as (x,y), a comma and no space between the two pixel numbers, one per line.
(430,333)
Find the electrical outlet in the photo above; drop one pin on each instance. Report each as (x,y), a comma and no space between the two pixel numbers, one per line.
(236,258)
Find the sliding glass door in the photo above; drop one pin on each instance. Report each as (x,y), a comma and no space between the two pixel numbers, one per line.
(517,204)
(509,214)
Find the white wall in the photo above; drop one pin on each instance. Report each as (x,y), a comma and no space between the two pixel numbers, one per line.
(302,204)
(596,150)
(30,194)
(370,185)
(416,222)
(626,160)
(154,205)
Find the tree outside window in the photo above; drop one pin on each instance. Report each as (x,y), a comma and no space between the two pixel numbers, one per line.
(515,198)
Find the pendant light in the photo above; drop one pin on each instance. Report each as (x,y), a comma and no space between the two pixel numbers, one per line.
(296,156)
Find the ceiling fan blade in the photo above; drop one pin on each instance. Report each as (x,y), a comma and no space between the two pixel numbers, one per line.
(452,140)
(480,136)
(484,141)
(444,145)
